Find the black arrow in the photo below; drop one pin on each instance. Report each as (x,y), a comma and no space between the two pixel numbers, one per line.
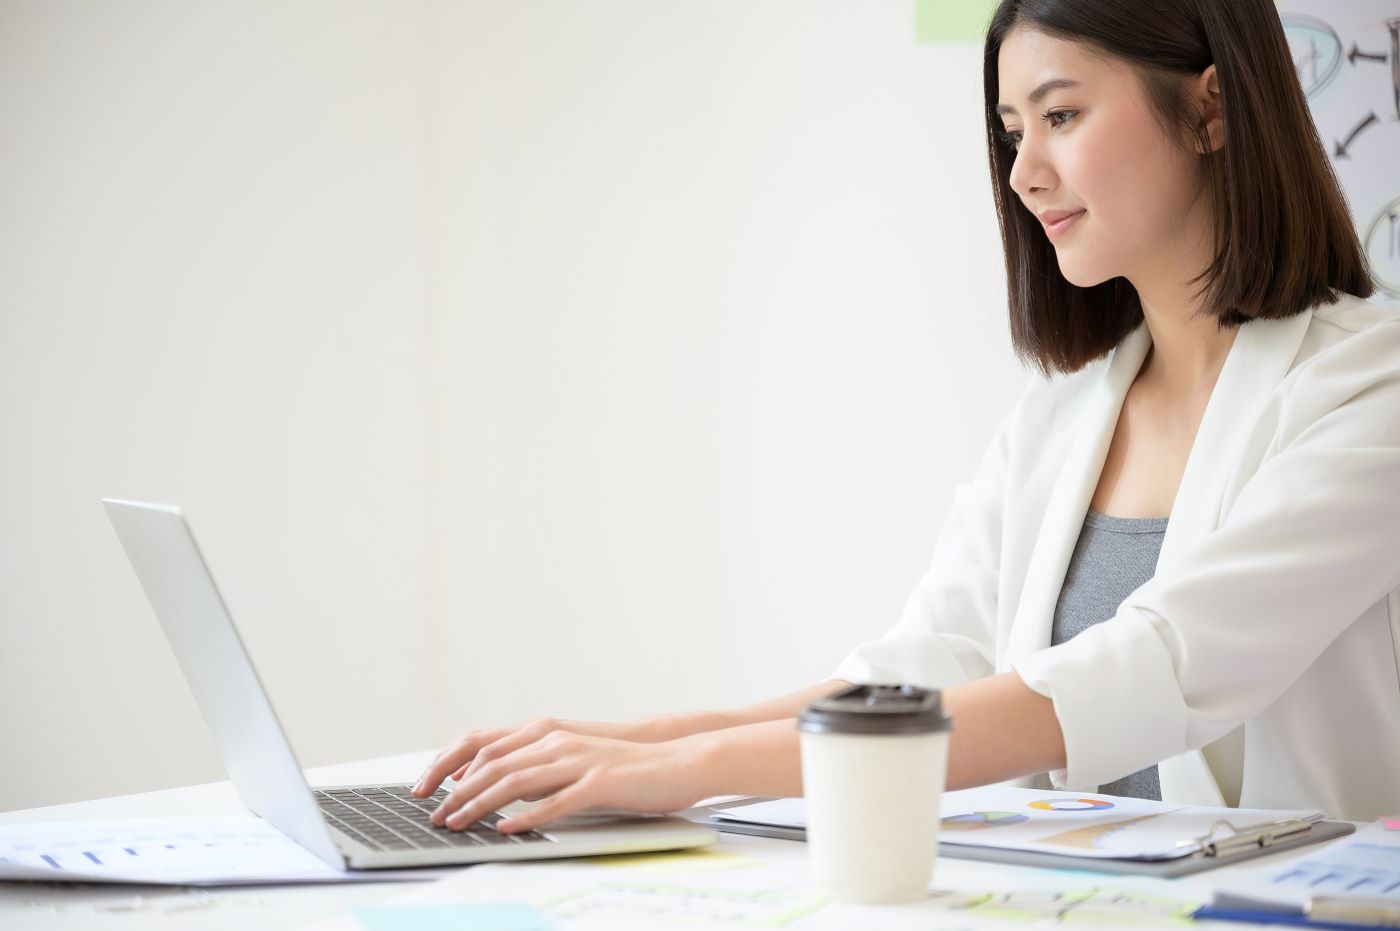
(1356,53)
(1342,146)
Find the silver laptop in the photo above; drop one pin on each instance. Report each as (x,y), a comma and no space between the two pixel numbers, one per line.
(370,827)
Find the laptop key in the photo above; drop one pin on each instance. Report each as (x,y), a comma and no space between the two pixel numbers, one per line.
(353,834)
(425,839)
(491,837)
(461,839)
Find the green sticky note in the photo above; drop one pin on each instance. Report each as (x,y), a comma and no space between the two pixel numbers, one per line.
(508,916)
(951,20)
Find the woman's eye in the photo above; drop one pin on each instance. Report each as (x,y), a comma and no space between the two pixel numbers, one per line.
(1057,118)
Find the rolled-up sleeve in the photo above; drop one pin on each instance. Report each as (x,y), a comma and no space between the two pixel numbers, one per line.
(1312,540)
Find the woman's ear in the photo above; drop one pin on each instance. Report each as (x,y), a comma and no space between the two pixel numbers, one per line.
(1205,90)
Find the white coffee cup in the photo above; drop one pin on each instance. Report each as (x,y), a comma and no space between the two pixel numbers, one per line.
(874,761)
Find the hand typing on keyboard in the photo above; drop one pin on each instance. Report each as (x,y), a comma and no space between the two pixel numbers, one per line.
(569,766)
(658,764)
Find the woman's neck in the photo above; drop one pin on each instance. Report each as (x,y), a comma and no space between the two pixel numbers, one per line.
(1188,349)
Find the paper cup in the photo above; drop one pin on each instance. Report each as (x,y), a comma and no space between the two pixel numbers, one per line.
(874,761)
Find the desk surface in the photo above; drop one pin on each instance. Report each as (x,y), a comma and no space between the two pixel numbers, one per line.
(48,906)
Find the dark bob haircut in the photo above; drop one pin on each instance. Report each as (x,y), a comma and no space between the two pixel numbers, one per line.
(1284,239)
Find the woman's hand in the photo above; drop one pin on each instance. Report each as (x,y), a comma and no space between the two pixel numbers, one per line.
(665,763)
(572,771)
(480,747)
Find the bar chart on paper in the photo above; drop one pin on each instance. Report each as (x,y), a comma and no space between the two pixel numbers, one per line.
(1365,867)
(169,850)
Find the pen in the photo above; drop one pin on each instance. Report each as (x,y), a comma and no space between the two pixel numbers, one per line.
(1380,913)
(1258,916)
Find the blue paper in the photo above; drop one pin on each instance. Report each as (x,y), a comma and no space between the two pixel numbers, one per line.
(508,916)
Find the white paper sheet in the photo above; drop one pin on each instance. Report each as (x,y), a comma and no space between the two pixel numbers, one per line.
(169,851)
(746,880)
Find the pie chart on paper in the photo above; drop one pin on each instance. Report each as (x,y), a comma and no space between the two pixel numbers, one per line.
(1071,804)
(981,820)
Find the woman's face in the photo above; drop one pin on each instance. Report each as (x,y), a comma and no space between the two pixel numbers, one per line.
(1088,144)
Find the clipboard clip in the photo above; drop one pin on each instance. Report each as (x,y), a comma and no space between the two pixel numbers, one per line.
(1249,837)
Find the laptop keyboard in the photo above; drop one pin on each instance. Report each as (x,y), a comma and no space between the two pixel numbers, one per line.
(391,818)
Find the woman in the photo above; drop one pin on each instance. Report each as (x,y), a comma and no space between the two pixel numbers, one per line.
(1182,264)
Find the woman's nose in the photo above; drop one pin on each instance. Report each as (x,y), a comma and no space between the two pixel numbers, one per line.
(1030,173)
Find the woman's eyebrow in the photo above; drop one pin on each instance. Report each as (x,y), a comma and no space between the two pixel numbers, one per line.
(1037,95)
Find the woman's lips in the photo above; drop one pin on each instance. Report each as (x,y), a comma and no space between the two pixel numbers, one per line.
(1060,227)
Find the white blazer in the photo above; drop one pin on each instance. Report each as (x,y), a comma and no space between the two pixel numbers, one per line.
(1269,637)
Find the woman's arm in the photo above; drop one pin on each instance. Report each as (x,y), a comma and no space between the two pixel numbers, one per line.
(676,726)
(1001,729)
(480,747)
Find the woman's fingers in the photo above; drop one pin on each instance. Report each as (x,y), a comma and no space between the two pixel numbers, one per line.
(575,797)
(458,755)
(478,748)
(545,778)
(569,772)
(506,745)
(489,775)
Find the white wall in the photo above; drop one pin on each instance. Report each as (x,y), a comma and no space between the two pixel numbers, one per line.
(720,325)
(212,291)
(587,359)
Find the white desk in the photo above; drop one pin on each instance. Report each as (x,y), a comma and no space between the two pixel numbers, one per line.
(48,906)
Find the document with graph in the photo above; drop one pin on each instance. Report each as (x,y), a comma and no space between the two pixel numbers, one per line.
(1077,824)
(1085,824)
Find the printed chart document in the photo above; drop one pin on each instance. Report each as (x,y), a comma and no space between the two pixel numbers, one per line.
(1366,866)
(1066,823)
(180,851)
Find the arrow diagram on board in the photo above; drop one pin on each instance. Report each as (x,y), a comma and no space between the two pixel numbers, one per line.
(1356,53)
(1394,26)
(1342,147)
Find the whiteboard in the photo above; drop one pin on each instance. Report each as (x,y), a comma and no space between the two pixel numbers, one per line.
(1347,55)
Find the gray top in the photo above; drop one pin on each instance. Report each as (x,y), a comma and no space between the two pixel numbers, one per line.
(1114,556)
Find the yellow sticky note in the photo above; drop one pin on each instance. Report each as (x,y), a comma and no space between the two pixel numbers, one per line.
(676,861)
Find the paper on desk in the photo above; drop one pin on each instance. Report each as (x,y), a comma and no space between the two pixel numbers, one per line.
(1073,823)
(506,917)
(1365,865)
(169,851)
(593,894)
(777,891)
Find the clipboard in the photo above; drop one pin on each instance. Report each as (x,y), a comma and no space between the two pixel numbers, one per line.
(1274,837)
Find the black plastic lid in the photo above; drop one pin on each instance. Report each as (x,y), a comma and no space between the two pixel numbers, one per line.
(876,709)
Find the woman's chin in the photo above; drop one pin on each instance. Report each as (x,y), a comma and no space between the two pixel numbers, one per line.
(1081,277)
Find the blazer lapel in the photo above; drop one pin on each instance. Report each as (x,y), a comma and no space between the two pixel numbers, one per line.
(1069,502)
(1261,356)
